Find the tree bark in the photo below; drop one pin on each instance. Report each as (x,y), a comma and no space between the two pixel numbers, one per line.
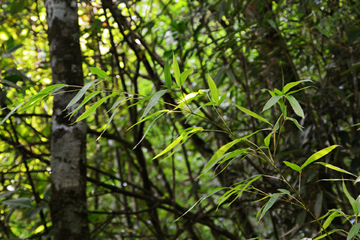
(68,141)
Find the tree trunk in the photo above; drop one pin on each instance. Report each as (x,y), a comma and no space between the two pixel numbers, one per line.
(68,141)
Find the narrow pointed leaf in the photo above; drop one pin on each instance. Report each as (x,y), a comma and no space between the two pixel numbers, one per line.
(353,231)
(331,218)
(93,107)
(267,140)
(318,155)
(10,113)
(272,24)
(184,76)
(88,98)
(351,200)
(153,101)
(336,168)
(5,194)
(108,123)
(18,202)
(328,233)
(292,166)
(219,153)
(295,106)
(81,93)
(147,130)
(253,114)
(99,72)
(168,79)
(171,146)
(272,101)
(318,204)
(288,86)
(176,71)
(11,84)
(269,204)
(297,124)
(214,90)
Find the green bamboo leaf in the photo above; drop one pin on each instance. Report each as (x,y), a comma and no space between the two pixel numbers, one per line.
(108,123)
(219,153)
(327,234)
(146,118)
(176,71)
(168,79)
(353,231)
(297,124)
(336,168)
(295,105)
(5,194)
(272,101)
(214,90)
(187,99)
(222,98)
(171,146)
(267,139)
(81,93)
(18,202)
(11,84)
(10,113)
(147,130)
(269,204)
(88,98)
(351,200)
(283,191)
(153,101)
(331,218)
(355,66)
(272,24)
(298,90)
(92,109)
(184,76)
(253,114)
(318,155)
(201,199)
(292,166)
(289,86)
(232,154)
(99,72)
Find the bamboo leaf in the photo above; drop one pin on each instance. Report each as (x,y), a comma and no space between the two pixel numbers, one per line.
(10,113)
(168,79)
(353,231)
(297,124)
(336,168)
(253,114)
(92,109)
(272,101)
(214,90)
(269,204)
(171,146)
(331,218)
(80,94)
(88,98)
(153,101)
(99,72)
(147,130)
(292,166)
(108,123)
(318,155)
(184,76)
(318,204)
(18,202)
(327,234)
(11,84)
(267,139)
(219,153)
(295,105)
(176,71)
(351,200)
(272,24)
(288,86)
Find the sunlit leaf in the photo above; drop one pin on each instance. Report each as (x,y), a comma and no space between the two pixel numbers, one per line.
(99,72)
(81,93)
(295,106)
(213,89)
(253,114)
(10,113)
(336,168)
(288,86)
(184,76)
(331,218)
(318,155)
(293,166)
(93,107)
(327,234)
(88,98)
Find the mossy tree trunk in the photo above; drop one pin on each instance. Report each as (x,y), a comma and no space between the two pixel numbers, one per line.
(68,141)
